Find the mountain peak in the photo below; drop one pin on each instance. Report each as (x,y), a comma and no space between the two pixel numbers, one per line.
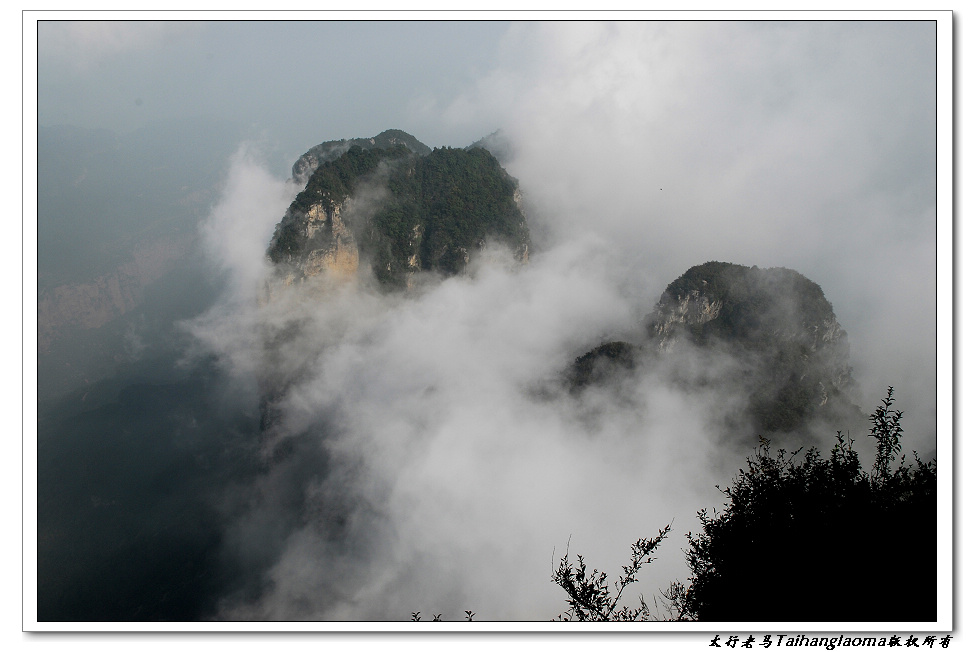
(330,150)
(405,208)
(791,357)
(747,304)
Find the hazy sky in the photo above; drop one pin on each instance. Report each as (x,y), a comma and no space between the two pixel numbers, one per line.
(642,149)
(299,83)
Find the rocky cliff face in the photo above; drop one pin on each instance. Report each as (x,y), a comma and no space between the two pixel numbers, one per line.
(329,246)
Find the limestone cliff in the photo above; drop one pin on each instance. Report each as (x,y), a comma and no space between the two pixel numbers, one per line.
(329,245)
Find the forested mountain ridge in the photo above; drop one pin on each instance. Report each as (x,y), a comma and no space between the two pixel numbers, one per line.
(402,208)
(332,149)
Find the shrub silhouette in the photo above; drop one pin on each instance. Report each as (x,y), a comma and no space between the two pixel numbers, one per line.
(589,594)
(800,539)
(797,535)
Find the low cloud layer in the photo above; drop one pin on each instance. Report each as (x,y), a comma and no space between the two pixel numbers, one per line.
(807,145)
(449,469)
(419,458)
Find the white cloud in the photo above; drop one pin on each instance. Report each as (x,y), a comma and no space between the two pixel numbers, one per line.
(807,145)
(84,43)
(644,149)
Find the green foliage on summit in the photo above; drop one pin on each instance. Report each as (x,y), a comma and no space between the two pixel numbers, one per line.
(600,364)
(466,198)
(444,207)
(335,180)
(333,149)
(434,211)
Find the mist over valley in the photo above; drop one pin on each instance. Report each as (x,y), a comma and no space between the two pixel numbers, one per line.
(395,356)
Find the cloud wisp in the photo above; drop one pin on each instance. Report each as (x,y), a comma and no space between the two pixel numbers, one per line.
(414,463)
(807,145)
(443,478)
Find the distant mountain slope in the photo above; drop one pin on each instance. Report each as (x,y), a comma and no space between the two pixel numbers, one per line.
(117,228)
(500,146)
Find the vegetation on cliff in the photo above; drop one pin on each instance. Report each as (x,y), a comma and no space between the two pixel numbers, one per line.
(466,198)
(332,149)
(600,363)
(433,210)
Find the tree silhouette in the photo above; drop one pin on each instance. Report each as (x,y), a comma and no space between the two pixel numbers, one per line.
(590,598)
(799,539)
(798,535)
